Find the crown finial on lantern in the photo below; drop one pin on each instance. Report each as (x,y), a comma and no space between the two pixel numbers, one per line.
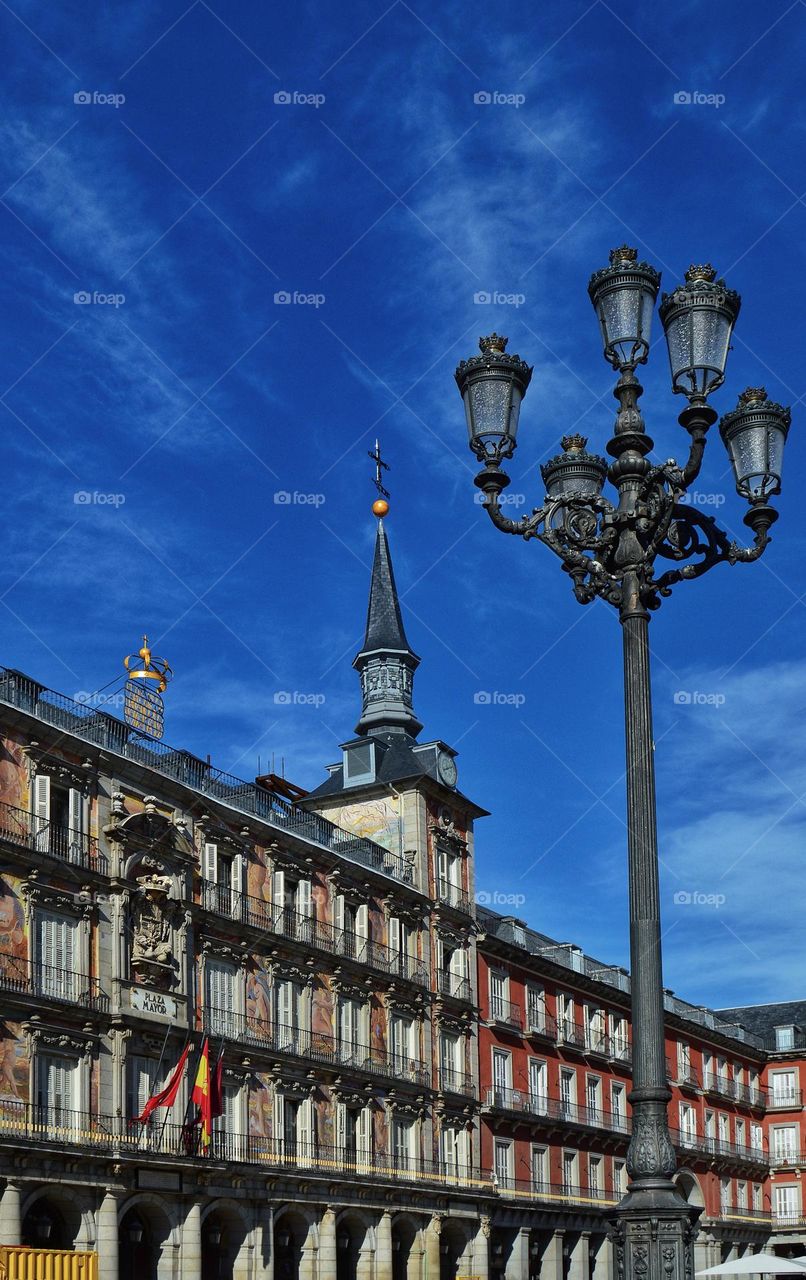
(701,271)
(574,444)
(493,342)
(753,395)
(624,253)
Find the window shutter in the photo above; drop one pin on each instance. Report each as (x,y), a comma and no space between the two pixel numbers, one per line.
(77,823)
(41,810)
(463,1151)
(439,954)
(443,873)
(304,901)
(56,954)
(362,922)
(364,1135)
(338,913)
(238,867)
(341,1129)
(285,1004)
(279,1123)
(394,934)
(306,1132)
(211,862)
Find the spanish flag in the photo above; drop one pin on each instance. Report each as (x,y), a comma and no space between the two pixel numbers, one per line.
(167,1096)
(202,1097)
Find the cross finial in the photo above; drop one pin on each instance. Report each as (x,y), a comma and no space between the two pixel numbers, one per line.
(380,467)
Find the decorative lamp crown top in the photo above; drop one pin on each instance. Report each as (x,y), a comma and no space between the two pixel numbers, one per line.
(703,271)
(624,253)
(574,444)
(493,343)
(149,667)
(753,395)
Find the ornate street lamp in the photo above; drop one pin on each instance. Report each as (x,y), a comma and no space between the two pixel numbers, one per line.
(610,549)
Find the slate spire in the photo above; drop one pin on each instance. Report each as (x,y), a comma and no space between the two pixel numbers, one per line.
(386,663)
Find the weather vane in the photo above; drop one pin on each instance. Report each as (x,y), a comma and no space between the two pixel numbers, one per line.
(380,506)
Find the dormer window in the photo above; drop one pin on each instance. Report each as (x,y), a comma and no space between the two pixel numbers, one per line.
(359,763)
(784,1037)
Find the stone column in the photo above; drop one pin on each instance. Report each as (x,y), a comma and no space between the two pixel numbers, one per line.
(264,1241)
(603,1262)
(580,1258)
(308,1263)
(481,1250)
(517,1267)
(191,1243)
(383,1251)
(107,1236)
(327,1244)
(10,1216)
(432,1235)
(552,1263)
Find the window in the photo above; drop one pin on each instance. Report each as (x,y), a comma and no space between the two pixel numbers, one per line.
(784,1037)
(402,944)
(227,1127)
(738,1072)
(536,1008)
(457,966)
(403,1039)
(450,1061)
(757,1202)
(783,1088)
(707,1069)
(684,1071)
(351,1022)
(724,1127)
(741,1195)
(565,1017)
(569,1167)
(223,880)
(352,926)
(60,819)
(619,1177)
(568,1091)
(502,1077)
(741,1136)
(619,1037)
(756,1136)
(594,1175)
(784,1142)
(593,1098)
(540,1169)
(688,1124)
(403,1135)
(354,1134)
(538,1085)
(57,1090)
(724,1194)
(449,886)
(288,1014)
(787,1206)
(292,906)
(710,1129)
(595,1021)
(617,1106)
(221,1016)
(503,1162)
(454,1145)
(499,996)
(56,958)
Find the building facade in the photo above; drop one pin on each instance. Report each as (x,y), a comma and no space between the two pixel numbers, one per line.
(413,1088)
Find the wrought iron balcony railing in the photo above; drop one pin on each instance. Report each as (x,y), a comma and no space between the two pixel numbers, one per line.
(22,1122)
(450,984)
(542,1108)
(318,1046)
(91,725)
(452,896)
(736,1213)
(793,1158)
(568,1033)
(505,1014)
(540,1023)
(37,835)
(745,1095)
(285,922)
(26,978)
(719,1147)
(452,1081)
(789,1222)
(682,1074)
(559,1193)
(791,1100)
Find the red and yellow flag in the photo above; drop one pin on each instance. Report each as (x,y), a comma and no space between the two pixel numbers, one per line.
(202,1097)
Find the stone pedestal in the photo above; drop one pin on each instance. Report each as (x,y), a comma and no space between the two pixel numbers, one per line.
(327,1243)
(517,1267)
(191,1243)
(579,1262)
(481,1251)
(432,1242)
(653,1236)
(552,1261)
(383,1253)
(108,1235)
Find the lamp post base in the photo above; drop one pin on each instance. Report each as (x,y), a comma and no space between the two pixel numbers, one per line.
(653,1231)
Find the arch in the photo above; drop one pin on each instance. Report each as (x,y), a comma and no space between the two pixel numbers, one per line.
(408,1246)
(61,1213)
(689,1187)
(355,1245)
(149,1238)
(226,1241)
(455,1243)
(295,1236)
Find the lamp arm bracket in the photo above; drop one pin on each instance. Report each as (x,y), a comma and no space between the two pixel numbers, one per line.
(693,534)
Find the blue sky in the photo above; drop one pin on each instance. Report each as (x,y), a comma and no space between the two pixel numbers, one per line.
(377,192)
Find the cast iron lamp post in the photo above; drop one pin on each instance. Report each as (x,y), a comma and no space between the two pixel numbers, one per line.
(610,549)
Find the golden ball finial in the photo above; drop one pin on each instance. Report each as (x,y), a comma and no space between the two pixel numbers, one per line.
(380,508)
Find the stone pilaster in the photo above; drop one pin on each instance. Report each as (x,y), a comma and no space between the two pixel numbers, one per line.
(10,1215)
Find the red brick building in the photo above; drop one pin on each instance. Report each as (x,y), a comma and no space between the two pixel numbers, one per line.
(554,1082)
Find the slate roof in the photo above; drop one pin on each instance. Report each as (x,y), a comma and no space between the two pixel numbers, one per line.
(385,628)
(762,1019)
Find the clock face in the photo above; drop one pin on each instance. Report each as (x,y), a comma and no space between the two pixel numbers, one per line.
(447,769)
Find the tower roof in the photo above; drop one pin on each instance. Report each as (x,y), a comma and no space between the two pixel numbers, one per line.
(386,662)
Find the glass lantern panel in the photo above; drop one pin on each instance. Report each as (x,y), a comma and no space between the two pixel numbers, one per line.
(678,340)
(489,406)
(514,411)
(776,438)
(710,335)
(749,450)
(622,315)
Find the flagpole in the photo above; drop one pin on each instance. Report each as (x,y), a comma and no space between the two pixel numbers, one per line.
(214,1076)
(143,1128)
(192,1076)
(168,1109)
